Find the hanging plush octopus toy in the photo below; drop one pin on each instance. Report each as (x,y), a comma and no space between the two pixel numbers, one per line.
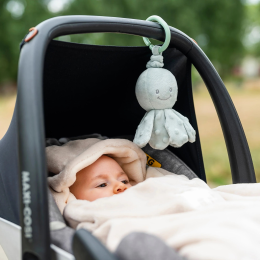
(156,91)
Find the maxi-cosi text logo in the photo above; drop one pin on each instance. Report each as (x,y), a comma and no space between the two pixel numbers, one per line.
(27,212)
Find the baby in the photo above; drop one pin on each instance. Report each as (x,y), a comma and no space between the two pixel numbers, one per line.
(103,178)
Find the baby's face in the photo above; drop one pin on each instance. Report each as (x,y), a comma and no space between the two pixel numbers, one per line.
(103,178)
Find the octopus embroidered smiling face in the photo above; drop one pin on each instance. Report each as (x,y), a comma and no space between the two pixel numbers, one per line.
(156,91)
(156,88)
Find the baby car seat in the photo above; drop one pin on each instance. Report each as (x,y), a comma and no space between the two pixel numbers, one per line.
(68,89)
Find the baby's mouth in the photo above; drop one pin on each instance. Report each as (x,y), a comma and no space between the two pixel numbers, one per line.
(164,98)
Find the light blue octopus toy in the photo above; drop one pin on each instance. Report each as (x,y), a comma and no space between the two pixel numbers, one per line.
(156,91)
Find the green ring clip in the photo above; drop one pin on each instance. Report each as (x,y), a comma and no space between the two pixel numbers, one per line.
(156,18)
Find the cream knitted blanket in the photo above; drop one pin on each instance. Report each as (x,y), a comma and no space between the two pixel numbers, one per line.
(198,222)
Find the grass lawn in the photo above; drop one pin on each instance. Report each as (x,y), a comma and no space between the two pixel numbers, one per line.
(6,112)
(247,102)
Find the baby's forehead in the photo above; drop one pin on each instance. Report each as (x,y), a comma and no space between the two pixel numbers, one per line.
(105,161)
(106,175)
(103,166)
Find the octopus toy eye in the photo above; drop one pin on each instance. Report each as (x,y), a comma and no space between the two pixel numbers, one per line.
(170,89)
(157,91)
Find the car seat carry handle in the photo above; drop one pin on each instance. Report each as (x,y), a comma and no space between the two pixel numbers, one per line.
(31,123)
(86,246)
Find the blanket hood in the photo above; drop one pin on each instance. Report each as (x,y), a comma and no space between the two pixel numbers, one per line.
(65,161)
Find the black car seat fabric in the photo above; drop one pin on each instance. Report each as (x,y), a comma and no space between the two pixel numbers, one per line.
(142,246)
(89,88)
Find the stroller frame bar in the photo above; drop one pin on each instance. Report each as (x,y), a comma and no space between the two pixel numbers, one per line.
(33,172)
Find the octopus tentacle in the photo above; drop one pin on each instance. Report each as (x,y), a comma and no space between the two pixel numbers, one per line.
(160,138)
(144,130)
(189,129)
(175,128)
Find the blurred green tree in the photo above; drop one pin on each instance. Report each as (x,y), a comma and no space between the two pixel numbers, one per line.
(217,25)
(16,17)
(6,53)
(252,29)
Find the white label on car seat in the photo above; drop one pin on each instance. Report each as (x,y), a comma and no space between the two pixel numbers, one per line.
(27,212)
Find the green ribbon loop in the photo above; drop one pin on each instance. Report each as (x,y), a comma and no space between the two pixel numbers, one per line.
(156,18)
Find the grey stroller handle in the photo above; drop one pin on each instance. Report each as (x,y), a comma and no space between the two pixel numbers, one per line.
(35,226)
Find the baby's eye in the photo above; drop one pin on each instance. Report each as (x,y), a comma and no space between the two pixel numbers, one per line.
(125,181)
(170,89)
(157,91)
(102,185)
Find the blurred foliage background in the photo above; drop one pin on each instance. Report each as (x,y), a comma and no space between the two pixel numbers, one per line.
(217,25)
(227,31)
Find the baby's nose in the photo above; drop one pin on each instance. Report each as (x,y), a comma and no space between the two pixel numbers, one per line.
(121,187)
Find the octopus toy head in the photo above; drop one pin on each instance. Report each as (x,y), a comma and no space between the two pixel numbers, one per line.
(156,88)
